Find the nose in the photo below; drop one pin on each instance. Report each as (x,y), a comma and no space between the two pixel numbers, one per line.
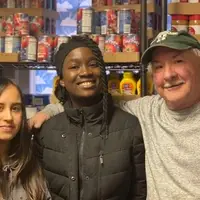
(169,72)
(8,115)
(85,71)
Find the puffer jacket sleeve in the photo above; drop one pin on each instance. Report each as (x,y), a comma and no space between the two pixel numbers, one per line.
(139,191)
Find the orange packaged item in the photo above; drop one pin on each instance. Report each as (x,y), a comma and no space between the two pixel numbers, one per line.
(179,22)
(128,84)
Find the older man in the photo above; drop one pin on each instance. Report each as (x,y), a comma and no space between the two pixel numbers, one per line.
(170,120)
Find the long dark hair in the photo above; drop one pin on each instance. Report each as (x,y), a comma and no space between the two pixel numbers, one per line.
(23,164)
(62,94)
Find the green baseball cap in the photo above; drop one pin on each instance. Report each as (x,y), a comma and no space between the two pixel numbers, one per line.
(181,40)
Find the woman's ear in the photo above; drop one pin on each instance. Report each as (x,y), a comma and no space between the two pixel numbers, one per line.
(62,83)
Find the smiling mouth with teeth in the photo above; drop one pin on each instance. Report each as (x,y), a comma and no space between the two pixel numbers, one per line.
(87,84)
(172,86)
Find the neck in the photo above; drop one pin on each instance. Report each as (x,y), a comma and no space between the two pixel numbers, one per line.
(87,102)
(4,146)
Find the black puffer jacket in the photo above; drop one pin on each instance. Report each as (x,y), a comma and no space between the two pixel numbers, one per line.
(81,164)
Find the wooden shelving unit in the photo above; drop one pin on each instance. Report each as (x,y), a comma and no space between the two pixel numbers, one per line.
(122,57)
(124,97)
(197,37)
(151,7)
(30,11)
(184,8)
(118,57)
(9,57)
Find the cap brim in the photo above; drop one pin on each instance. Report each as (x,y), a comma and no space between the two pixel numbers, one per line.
(147,55)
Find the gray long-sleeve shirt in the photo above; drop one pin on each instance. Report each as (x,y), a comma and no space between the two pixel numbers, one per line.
(172,142)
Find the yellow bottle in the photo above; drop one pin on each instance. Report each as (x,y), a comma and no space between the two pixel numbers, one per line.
(113,84)
(149,85)
(128,84)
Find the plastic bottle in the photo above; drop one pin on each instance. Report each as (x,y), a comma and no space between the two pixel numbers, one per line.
(149,85)
(128,84)
(113,83)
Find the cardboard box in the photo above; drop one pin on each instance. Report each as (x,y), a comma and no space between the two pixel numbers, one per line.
(9,57)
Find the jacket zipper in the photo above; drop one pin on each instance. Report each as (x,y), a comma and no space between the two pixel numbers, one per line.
(101,163)
(81,149)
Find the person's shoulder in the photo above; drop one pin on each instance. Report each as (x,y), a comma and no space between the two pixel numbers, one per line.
(122,117)
(54,122)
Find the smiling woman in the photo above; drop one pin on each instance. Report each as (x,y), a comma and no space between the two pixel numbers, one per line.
(92,150)
(20,173)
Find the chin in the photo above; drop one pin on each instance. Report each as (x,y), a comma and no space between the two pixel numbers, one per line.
(175,103)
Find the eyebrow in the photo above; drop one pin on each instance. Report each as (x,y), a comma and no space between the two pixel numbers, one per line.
(13,104)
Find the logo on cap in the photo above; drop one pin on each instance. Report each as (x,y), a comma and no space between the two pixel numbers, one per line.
(163,36)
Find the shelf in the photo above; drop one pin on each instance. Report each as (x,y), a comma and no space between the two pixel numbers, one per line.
(122,57)
(197,37)
(151,33)
(151,7)
(30,11)
(27,65)
(183,8)
(124,97)
(9,57)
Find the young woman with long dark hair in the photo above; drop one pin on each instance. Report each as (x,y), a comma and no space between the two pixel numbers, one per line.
(21,176)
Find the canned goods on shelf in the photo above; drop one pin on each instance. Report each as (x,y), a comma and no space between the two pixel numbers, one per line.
(133,1)
(194,24)
(58,40)
(179,22)
(150,20)
(2,44)
(108,22)
(179,1)
(2,24)
(124,20)
(100,40)
(47,26)
(9,29)
(53,27)
(109,2)
(96,23)
(193,1)
(22,3)
(54,7)
(36,25)
(21,24)
(131,43)
(124,2)
(113,43)
(97,3)
(12,44)
(3,3)
(10,3)
(37,3)
(117,2)
(45,48)
(28,48)
(48,4)
(84,20)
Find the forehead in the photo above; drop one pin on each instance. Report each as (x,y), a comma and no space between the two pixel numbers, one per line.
(164,51)
(80,53)
(10,95)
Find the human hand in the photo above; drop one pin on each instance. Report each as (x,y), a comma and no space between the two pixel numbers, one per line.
(37,120)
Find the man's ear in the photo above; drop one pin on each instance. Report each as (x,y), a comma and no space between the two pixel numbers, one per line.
(62,83)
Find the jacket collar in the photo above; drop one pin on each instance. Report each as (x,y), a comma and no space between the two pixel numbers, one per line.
(92,114)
